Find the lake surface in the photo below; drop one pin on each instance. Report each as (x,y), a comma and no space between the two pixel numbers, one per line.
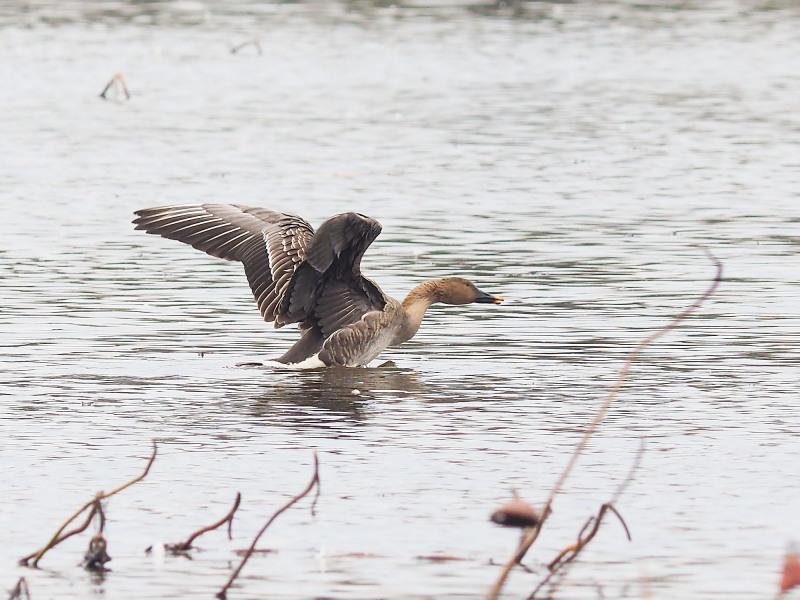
(571,158)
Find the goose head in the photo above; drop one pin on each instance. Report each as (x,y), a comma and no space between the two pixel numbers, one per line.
(457,290)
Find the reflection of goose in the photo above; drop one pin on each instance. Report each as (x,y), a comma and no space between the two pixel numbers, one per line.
(314,279)
(346,393)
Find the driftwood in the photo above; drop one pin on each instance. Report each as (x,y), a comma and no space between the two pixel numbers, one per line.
(529,535)
(94,508)
(558,565)
(184,547)
(244,44)
(222,594)
(20,591)
(116,82)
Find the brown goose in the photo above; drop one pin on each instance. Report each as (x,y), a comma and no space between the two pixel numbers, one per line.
(314,279)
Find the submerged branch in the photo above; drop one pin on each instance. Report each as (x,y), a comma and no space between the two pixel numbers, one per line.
(187,545)
(530,535)
(94,504)
(558,565)
(222,594)
(118,81)
(20,590)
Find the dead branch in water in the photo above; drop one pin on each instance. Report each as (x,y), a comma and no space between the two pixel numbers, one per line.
(253,42)
(20,589)
(117,82)
(222,594)
(183,547)
(95,509)
(570,553)
(530,535)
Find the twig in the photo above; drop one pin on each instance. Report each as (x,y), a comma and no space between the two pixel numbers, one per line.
(187,545)
(254,42)
(116,80)
(529,536)
(558,564)
(222,594)
(94,503)
(19,589)
(637,461)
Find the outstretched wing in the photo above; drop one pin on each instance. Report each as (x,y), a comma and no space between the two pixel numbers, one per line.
(328,290)
(270,245)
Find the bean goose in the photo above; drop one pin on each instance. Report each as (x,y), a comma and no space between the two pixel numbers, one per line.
(311,278)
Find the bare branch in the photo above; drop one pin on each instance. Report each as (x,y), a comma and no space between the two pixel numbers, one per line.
(254,42)
(135,479)
(222,594)
(637,461)
(20,589)
(570,553)
(60,537)
(187,545)
(116,80)
(529,536)
(95,504)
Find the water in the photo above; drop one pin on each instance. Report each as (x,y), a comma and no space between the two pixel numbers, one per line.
(568,157)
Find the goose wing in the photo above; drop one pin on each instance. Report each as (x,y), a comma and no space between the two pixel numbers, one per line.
(270,245)
(327,290)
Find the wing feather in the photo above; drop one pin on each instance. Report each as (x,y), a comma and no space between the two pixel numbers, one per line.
(295,275)
(257,237)
(331,275)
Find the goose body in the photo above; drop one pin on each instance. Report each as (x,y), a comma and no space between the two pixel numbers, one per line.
(311,278)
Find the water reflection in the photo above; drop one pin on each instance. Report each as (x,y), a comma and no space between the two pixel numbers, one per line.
(343,391)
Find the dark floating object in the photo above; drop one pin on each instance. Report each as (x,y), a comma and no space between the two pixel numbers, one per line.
(516,513)
(117,83)
(96,556)
(441,558)
(311,278)
(248,552)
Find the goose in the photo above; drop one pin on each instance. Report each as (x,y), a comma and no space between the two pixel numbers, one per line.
(311,278)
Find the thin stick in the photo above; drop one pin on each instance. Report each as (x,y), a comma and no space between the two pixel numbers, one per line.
(57,538)
(559,562)
(529,536)
(254,42)
(19,589)
(116,78)
(222,594)
(135,479)
(187,545)
(637,461)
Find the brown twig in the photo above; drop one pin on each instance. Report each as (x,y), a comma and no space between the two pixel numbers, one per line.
(94,504)
(254,42)
(118,80)
(570,553)
(19,589)
(529,536)
(222,594)
(187,545)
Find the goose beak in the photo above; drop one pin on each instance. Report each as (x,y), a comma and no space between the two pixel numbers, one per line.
(484,298)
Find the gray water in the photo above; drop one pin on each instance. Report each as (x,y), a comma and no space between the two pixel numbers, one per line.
(571,158)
